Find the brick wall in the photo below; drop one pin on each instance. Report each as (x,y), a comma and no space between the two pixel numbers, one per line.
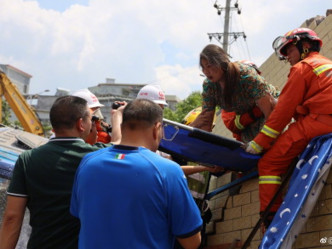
(234,216)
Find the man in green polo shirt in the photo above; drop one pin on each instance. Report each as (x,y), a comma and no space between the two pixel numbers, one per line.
(42,181)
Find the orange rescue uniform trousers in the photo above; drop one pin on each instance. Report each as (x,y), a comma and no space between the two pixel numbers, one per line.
(288,146)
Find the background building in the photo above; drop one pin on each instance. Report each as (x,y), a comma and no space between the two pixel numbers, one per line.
(18,77)
(107,93)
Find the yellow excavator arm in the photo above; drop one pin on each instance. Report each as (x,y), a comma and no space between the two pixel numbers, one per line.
(23,111)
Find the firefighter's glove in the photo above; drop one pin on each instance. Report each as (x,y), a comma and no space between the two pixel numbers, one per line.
(254,148)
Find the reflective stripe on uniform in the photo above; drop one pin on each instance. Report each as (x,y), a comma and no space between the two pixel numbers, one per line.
(322,69)
(270,180)
(269,132)
(256,146)
(238,123)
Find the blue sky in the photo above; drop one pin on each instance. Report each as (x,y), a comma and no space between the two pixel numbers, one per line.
(75,44)
(60,5)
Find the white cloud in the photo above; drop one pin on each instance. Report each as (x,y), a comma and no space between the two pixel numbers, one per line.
(137,41)
(177,80)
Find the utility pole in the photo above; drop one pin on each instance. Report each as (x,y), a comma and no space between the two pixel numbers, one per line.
(226,34)
(226,26)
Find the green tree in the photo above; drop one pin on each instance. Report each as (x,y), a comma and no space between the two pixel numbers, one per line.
(182,108)
(6,114)
(18,124)
(169,114)
(47,127)
(192,101)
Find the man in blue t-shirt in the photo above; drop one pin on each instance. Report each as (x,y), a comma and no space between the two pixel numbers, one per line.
(127,196)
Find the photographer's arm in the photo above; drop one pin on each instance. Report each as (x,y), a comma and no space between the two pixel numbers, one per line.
(116,123)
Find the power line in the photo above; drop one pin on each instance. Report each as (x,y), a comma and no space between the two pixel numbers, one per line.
(247,47)
(227,38)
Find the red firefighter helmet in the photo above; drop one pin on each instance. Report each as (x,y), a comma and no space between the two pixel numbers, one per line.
(280,43)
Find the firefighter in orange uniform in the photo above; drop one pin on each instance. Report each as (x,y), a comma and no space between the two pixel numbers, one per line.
(306,97)
(236,123)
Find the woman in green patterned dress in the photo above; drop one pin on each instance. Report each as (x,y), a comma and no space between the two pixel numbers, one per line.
(234,87)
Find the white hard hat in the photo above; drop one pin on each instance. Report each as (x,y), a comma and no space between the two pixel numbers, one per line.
(153,93)
(89,97)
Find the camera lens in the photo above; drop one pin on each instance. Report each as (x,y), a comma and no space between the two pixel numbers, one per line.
(115,106)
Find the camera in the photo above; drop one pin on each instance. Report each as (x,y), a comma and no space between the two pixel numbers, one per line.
(116,105)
